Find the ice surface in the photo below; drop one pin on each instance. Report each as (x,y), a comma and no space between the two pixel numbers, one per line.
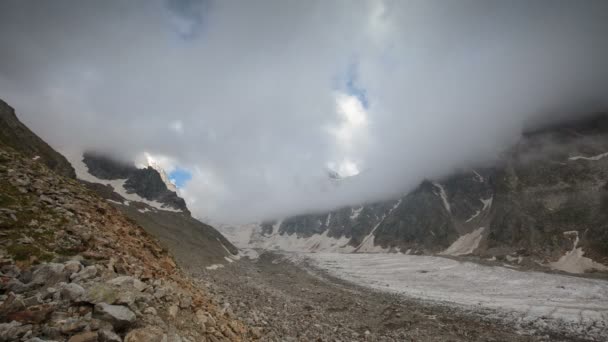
(522,295)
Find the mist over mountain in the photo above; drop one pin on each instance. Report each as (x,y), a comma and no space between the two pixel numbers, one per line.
(257,100)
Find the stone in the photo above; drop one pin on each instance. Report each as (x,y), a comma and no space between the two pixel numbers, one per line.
(101,293)
(173,310)
(86,273)
(13,331)
(73,266)
(151,311)
(89,336)
(107,335)
(185,302)
(73,326)
(147,334)
(49,274)
(119,316)
(128,281)
(34,314)
(15,285)
(71,291)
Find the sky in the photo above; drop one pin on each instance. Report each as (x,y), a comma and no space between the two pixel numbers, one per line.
(248,105)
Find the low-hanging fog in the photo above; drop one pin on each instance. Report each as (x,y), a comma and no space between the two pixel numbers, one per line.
(259,99)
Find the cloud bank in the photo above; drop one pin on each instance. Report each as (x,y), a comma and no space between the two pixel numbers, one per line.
(257,100)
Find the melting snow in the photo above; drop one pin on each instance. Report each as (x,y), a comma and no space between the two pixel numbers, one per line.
(368,246)
(328,220)
(478,177)
(444,197)
(214,267)
(355,213)
(465,244)
(594,158)
(487,203)
(574,261)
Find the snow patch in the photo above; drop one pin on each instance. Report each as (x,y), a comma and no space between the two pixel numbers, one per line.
(574,261)
(355,213)
(444,197)
(36,158)
(328,220)
(466,244)
(478,177)
(487,203)
(593,158)
(214,267)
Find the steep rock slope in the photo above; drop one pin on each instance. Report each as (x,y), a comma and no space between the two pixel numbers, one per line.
(143,196)
(74,268)
(15,134)
(544,202)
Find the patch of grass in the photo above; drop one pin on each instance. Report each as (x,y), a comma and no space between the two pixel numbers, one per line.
(25,252)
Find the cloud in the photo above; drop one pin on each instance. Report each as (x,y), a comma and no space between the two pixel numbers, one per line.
(257,99)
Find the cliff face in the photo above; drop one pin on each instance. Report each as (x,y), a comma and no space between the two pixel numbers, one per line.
(16,135)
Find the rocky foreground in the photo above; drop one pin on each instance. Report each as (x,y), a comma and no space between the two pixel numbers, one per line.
(73,268)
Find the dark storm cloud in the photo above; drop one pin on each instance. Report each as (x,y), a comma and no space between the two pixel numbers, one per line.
(258,98)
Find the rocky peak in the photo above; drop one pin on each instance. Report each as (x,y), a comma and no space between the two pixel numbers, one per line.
(146,182)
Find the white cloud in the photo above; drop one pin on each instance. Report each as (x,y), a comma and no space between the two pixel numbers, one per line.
(249,97)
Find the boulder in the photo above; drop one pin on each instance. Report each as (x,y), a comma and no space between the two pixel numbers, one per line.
(49,274)
(101,293)
(86,273)
(107,335)
(73,266)
(71,291)
(147,334)
(89,336)
(119,316)
(123,281)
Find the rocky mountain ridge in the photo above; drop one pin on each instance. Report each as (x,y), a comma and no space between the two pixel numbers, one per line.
(543,203)
(74,268)
(15,134)
(148,183)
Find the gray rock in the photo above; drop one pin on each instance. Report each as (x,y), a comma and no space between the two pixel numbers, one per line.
(16,286)
(128,281)
(147,334)
(107,335)
(86,273)
(73,266)
(119,316)
(71,291)
(13,331)
(49,274)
